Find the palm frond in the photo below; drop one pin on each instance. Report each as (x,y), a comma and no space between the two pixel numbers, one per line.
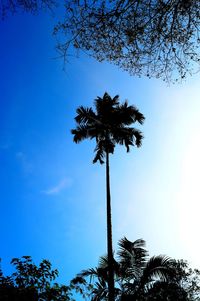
(123,136)
(85,115)
(100,292)
(128,143)
(136,248)
(78,280)
(126,115)
(112,101)
(115,100)
(132,258)
(127,136)
(130,287)
(103,146)
(158,267)
(139,117)
(105,106)
(100,154)
(137,137)
(89,272)
(103,262)
(80,133)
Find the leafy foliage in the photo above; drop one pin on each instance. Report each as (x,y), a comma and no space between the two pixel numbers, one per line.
(158,38)
(32,283)
(108,125)
(183,286)
(140,278)
(135,273)
(189,279)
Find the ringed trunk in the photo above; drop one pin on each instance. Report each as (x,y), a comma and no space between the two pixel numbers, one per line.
(111,290)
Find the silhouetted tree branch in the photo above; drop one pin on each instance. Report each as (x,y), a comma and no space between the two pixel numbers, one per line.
(33,6)
(156,38)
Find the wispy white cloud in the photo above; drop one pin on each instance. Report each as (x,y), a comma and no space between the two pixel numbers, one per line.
(63,184)
(25,163)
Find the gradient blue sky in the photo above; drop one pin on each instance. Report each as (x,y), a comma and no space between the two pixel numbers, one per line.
(52,201)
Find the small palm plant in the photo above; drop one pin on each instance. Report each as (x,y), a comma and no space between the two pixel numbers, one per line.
(134,273)
(109,124)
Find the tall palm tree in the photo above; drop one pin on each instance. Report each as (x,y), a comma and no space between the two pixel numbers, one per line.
(109,125)
(135,273)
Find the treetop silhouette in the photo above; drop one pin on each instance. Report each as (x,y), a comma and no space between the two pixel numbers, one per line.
(109,125)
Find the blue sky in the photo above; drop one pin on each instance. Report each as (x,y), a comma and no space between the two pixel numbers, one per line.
(52,196)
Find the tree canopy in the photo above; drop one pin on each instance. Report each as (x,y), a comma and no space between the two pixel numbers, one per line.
(158,38)
(184,286)
(135,273)
(139,277)
(30,282)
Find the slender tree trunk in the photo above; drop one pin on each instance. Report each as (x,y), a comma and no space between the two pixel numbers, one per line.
(111,291)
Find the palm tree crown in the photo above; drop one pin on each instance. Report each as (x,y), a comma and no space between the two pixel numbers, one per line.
(109,125)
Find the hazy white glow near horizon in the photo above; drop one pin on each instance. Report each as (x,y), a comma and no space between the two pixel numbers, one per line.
(167,198)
